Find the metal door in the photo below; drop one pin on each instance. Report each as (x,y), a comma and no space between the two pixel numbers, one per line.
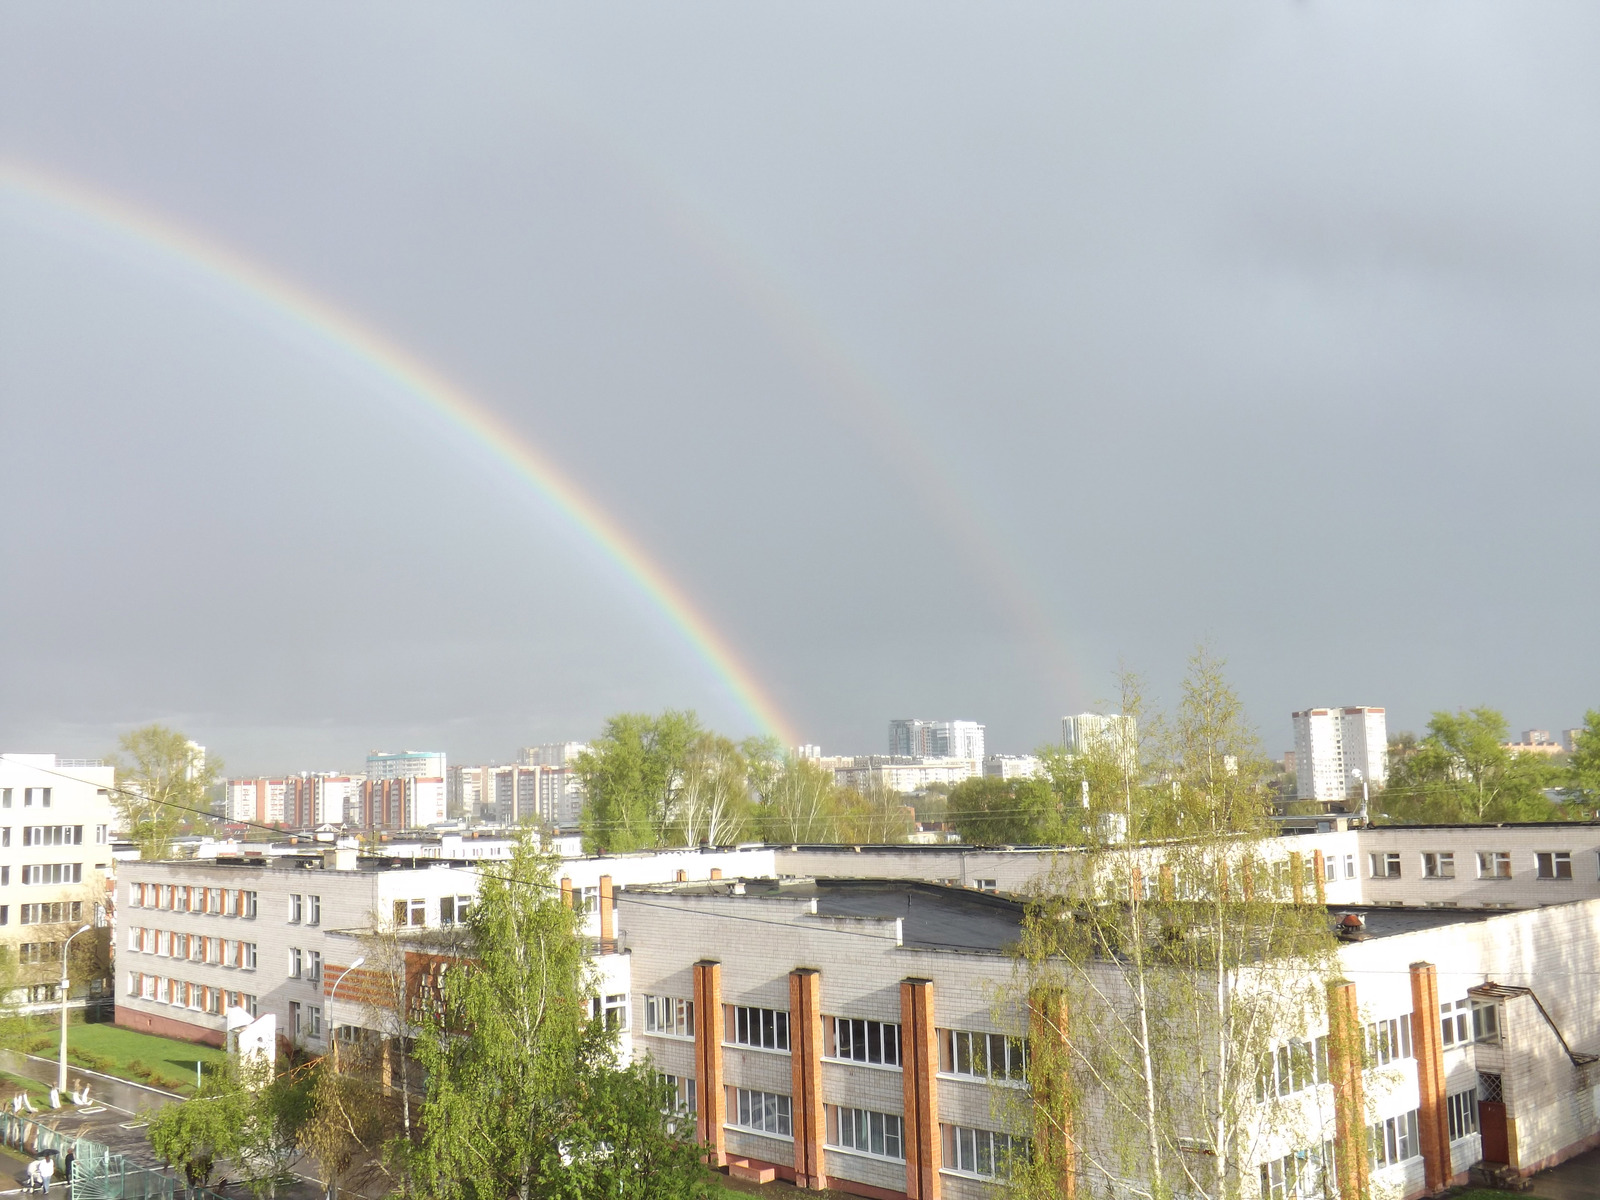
(1492,1125)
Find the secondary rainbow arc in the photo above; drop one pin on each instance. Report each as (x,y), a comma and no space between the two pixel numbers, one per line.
(413,377)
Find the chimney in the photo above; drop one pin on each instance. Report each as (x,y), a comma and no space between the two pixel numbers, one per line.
(340,858)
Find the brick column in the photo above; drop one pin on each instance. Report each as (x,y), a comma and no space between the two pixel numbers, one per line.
(805,1055)
(608,925)
(1168,890)
(1052,1113)
(566,891)
(713,1101)
(1427,1043)
(1297,875)
(1349,1100)
(716,872)
(1319,875)
(919,1051)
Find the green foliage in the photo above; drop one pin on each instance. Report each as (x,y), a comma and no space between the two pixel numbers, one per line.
(195,1135)
(876,816)
(1161,972)
(245,1115)
(348,1117)
(1582,784)
(524,1095)
(631,775)
(163,783)
(800,804)
(1462,773)
(995,812)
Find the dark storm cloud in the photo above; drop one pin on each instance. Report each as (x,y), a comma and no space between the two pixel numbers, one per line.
(1266,324)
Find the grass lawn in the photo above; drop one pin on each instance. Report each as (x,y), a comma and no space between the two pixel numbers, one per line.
(141,1057)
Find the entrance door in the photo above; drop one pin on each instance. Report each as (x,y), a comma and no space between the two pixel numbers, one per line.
(1492,1125)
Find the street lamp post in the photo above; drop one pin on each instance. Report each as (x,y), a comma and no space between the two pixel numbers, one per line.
(333,994)
(61,1068)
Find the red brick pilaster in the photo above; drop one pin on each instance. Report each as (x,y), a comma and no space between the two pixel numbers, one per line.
(805,1054)
(1349,1100)
(1427,1043)
(1052,1111)
(713,1101)
(566,891)
(1297,876)
(1319,874)
(608,924)
(919,1048)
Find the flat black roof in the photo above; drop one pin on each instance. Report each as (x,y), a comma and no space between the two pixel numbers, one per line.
(933,916)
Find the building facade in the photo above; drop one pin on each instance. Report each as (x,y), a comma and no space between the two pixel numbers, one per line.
(385,764)
(1331,744)
(56,820)
(912,738)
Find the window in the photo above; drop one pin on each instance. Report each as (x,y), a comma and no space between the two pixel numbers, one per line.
(1292,1067)
(981,1152)
(669,1016)
(39,952)
(1349,866)
(588,900)
(1389,1041)
(35,796)
(1490,1087)
(1455,1023)
(1485,1021)
(294,1018)
(765,1112)
(295,963)
(613,1008)
(45,873)
(313,1021)
(875,1133)
(99,834)
(1461,1110)
(1299,1176)
(865,1041)
(5,797)
(983,1055)
(5,836)
(986,885)
(1439,866)
(314,966)
(681,1090)
(1494,864)
(764,1028)
(5,875)
(453,909)
(297,909)
(1384,866)
(247,956)
(52,914)
(1395,1140)
(313,910)
(1554,864)
(247,905)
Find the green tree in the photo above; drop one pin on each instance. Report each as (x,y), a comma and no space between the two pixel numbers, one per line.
(712,803)
(163,781)
(800,804)
(247,1116)
(1162,970)
(525,1098)
(877,815)
(994,812)
(1582,783)
(195,1136)
(351,1119)
(631,776)
(1462,772)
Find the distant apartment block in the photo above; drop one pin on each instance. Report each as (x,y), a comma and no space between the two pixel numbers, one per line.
(1569,739)
(1113,732)
(382,764)
(1331,744)
(256,801)
(911,738)
(897,773)
(552,754)
(1012,766)
(514,794)
(413,802)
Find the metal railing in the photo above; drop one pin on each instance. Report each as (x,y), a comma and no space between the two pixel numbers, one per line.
(97,1172)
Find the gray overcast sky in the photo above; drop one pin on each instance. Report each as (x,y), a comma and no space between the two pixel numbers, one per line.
(945,355)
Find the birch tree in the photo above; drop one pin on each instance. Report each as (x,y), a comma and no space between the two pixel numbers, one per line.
(1166,962)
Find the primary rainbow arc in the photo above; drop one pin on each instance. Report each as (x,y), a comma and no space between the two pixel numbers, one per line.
(415,378)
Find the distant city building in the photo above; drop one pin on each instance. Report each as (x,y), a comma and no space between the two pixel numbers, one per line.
(910,738)
(808,752)
(1288,762)
(1113,732)
(551,795)
(1013,766)
(320,799)
(257,801)
(412,802)
(430,764)
(1569,739)
(1537,737)
(1545,745)
(900,773)
(1332,743)
(552,754)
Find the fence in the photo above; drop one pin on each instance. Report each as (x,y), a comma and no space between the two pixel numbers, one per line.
(97,1172)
